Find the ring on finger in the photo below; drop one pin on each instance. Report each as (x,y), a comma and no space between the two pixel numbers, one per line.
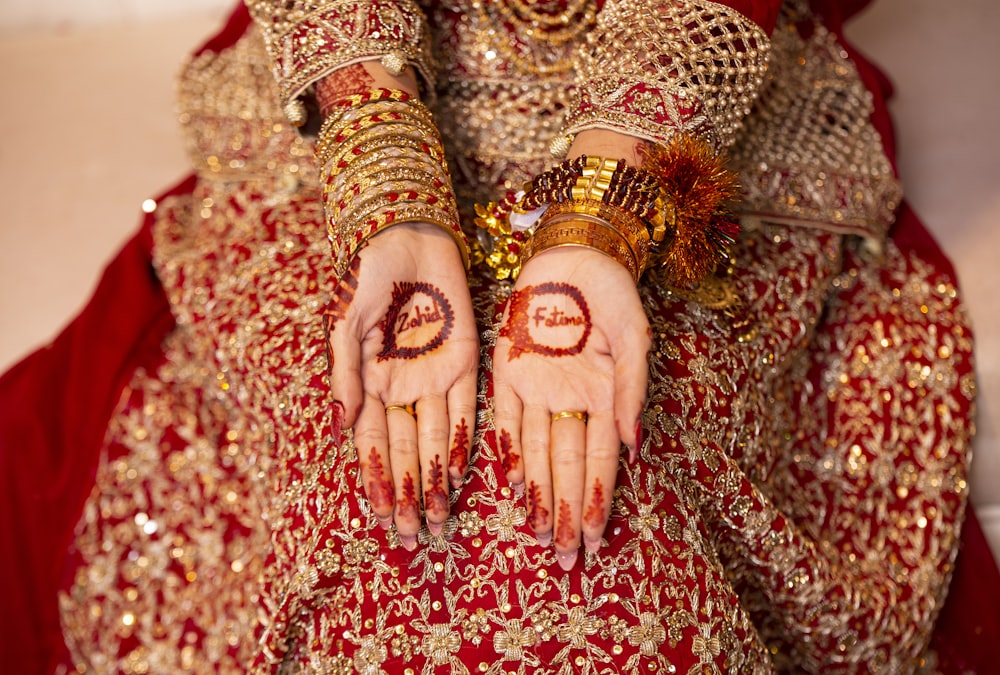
(566,414)
(408,408)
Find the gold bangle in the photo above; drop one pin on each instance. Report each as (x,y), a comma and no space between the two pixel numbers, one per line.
(348,240)
(340,130)
(587,233)
(377,137)
(627,224)
(595,178)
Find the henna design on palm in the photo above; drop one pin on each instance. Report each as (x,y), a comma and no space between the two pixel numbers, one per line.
(551,319)
(418,321)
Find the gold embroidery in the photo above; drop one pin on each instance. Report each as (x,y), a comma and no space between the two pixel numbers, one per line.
(306,39)
(809,154)
(655,68)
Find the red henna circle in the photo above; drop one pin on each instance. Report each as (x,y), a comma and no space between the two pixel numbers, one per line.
(517,328)
(402,293)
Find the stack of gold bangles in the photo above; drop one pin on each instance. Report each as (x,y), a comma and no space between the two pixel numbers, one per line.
(639,218)
(383,165)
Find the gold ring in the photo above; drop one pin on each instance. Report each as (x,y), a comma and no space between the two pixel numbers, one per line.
(406,407)
(582,416)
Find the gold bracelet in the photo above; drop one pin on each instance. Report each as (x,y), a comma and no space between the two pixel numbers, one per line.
(341,155)
(577,231)
(413,212)
(632,229)
(336,132)
(383,194)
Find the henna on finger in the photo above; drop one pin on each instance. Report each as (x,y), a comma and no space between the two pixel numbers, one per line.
(509,459)
(565,532)
(538,515)
(408,505)
(550,319)
(378,486)
(458,456)
(594,516)
(435,494)
(419,319)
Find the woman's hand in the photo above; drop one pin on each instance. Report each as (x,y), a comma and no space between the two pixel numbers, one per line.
(404,359)
(573,345)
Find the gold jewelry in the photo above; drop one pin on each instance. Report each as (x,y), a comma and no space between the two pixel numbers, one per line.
(629,226)
(408,408)
(586,232)
(383,164)
(566,414)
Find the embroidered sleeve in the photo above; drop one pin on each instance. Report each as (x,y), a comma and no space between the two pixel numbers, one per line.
(307,39)
(655,68)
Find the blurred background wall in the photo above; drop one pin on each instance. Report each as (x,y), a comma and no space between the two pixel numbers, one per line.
(89,132)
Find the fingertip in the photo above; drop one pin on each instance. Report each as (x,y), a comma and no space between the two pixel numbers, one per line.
(435,528)
(592,545)
(567,560)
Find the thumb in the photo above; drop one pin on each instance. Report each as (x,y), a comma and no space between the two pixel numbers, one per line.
(344,359)
(631,384)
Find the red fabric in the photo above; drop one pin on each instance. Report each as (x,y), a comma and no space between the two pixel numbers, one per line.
(54,409)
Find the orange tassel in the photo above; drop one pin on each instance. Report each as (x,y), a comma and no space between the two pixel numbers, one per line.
(697,192)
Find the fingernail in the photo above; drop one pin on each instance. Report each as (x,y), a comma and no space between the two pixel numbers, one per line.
(518,489)
(544,538)
(384,523)
(409,542)
(435,528)
(566,560)
(592,545)
(456,483)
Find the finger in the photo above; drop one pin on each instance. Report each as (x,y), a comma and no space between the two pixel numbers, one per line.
(537,471)
(462,415)
(432,448)
(568,437)
(601,471)
(344,356)
(403,461)
(507,420)
(631,387)
(372,443)
(343,347)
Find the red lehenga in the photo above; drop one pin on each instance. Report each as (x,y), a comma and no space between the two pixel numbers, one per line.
(798,501)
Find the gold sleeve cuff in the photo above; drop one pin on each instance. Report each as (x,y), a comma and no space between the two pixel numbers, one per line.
(307,40)
(656,68)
